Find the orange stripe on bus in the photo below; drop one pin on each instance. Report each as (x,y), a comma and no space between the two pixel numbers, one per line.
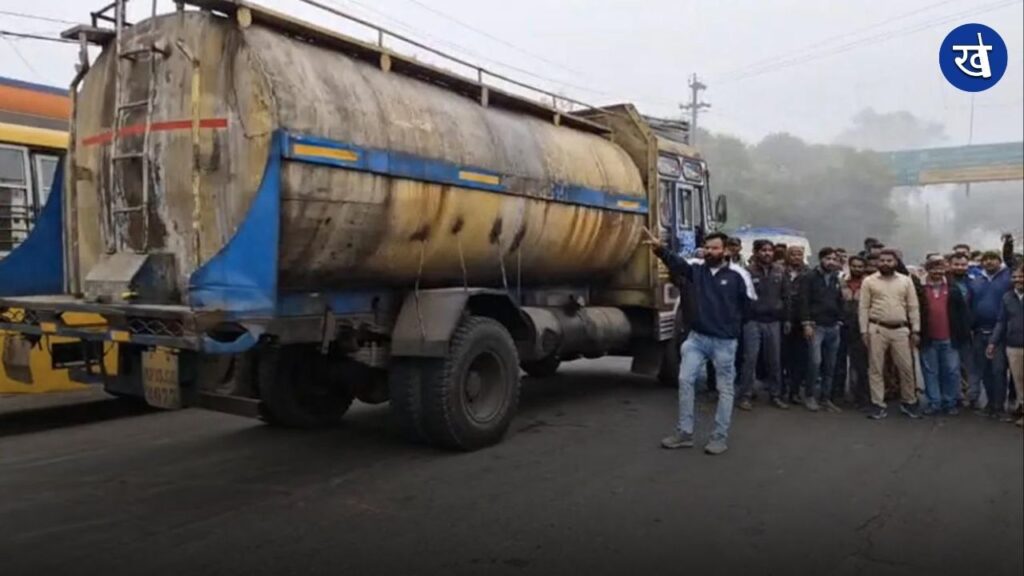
(166,126)
(35,103)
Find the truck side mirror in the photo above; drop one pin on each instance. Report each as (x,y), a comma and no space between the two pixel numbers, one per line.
(721,209)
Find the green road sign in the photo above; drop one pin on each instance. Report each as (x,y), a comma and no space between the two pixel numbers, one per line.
(980,163)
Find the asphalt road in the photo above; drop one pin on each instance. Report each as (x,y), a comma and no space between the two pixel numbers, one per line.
(581,487)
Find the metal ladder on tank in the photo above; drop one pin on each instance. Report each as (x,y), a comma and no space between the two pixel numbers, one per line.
(120,208)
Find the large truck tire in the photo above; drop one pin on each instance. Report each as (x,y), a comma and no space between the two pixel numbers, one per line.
(470,402)
(300,388)
(406,380)
(668,374)
(671,357)
(543,368)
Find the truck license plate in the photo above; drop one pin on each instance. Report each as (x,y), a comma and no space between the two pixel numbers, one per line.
(160,379)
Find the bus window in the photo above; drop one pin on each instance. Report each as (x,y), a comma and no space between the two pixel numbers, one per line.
(46,166)
(14,196)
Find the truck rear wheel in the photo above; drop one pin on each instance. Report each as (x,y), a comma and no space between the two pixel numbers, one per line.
(542,368)
(470,401)
(668,374)
(671,357)
(300,388)
(406,380)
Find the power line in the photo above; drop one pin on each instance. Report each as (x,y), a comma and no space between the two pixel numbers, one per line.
(7,34)
(36,17)
(877,39)
(831,39)
(487,34)
(465,51)
(17,52)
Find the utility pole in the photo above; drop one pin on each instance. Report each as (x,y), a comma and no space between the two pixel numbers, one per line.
(695,105)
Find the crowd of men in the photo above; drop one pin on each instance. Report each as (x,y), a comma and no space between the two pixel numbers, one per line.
(851,329)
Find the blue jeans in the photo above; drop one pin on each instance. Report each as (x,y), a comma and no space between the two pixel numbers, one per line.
(965,354)
(988,373)
(821,360)
(696,352)
(758,336)
(940,364)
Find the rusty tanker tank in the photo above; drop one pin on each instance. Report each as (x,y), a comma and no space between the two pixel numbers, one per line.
(418,201)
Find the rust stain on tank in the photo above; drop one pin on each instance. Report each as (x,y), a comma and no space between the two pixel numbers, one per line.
(495,234)
(421,234)
(518,238)
(458,225)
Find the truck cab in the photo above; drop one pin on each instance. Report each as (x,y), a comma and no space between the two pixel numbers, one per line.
(684,198)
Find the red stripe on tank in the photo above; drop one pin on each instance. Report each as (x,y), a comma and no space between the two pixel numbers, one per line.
(165,126)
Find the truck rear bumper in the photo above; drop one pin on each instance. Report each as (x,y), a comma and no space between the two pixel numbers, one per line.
(170,326)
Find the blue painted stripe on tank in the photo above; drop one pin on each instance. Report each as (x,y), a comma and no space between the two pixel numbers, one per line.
(317,150)
(389,163)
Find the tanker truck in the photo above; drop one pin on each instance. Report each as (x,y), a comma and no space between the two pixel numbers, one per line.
(275,219)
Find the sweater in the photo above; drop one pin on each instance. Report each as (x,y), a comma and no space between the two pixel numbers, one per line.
(987,298)
(720,296)
(956,313)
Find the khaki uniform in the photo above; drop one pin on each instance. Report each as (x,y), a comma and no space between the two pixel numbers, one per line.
(888,313)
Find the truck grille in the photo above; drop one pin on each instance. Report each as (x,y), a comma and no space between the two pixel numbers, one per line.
(156,327)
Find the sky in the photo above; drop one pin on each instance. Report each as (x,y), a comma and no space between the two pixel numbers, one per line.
(803,67)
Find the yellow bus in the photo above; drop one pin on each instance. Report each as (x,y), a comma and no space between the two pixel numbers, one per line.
(33,139)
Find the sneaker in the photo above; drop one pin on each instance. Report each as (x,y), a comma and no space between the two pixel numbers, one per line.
(780,403)
(909,410)
(929,411)
(878,413)
(1006,418)
(716,447)
(746,405)
(812,405)
(677,440)
(1020,423)
(830,406)
(952,411)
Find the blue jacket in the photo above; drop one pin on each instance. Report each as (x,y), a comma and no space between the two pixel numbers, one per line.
(720,297)
(987,298)
(1010,329)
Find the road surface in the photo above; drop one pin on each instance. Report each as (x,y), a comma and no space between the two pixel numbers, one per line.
(581,487)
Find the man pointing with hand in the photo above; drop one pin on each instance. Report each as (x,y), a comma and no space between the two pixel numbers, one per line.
(721,296)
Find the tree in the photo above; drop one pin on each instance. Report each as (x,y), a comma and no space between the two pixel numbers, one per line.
(899,130)
(835,194)
(841,193)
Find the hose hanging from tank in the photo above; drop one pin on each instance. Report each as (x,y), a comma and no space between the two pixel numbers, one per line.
(416,291)
(462,263)
(501,262)
(519,276)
